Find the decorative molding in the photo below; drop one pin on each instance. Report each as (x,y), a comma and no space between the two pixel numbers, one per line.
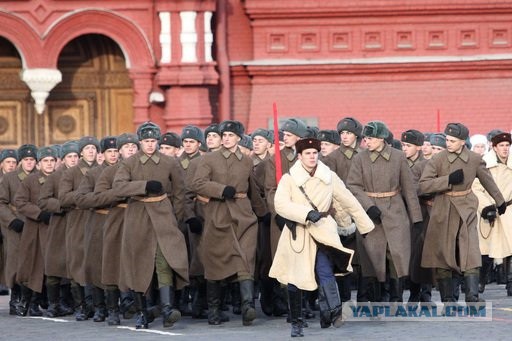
(188,37)
(41,82)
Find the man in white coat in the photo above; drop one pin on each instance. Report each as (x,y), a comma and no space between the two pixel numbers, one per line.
(309,250)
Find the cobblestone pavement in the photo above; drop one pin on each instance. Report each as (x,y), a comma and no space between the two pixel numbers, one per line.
(265,328)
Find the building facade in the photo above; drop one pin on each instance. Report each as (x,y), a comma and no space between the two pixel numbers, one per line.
(70,68)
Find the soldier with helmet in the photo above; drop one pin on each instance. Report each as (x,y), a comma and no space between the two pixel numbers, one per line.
(151,239)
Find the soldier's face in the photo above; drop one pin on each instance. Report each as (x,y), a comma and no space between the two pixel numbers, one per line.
(410,150)
(47,165)
(127,150)
(89,153)
(70,159)
(502,149)
(148,146)
(309,158)
(347,138)
(191,146)
(169,150)
(454,145)
(213,141)
(373,143)
(436,149)
(28,164)
(327,148)
(290,139)
(426,148)
(480,148)
(260,145)
(230,140)
(111,155)
(9,164)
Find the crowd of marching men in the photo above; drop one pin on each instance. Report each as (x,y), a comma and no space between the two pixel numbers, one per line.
(165,225)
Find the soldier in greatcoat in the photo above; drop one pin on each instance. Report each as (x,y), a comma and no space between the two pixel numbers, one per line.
(154,184)
(381,180)
(330,140)
(55,257)
(33,239)
(170,144)
(97,204)
(88,146)
(212,137)
(127,145)
(421,279)
(12,224)
(451,241)
(293,130)
(223,180)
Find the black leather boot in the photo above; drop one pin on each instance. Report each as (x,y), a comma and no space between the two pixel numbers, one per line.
(33,309)
(295,302)
(15,299)
(279,300)
(266,287)
(213,297)
(446,286)
(23,304)
(484,272)
(53,292)
(471,281)
(78,294)
(199,300)
(414,294)
(501,278)
(112,303)
(184,302)
(235,298)
(140,305)
(66,300)
(247,298)
(169,314)
(98,298)
(127,306)
(325,313)
(332,296)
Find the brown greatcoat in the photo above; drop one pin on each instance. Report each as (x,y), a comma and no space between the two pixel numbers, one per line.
(380,173)
(228,246)
(8,187)
(33,238)
(55,257)
(453,219)
(288,158)
(76,218)
(112,228)
(294,261)
(192,209)
(87,199)
(151,224)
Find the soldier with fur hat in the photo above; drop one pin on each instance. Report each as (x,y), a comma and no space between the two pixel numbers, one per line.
(451,240)
(437,142)
(381,180)
(170,144)
(12,224)
(213,138)
(59,295)
(330,141)
(8,161)
(222,181)
(152,241)
(88,147)
(33,241)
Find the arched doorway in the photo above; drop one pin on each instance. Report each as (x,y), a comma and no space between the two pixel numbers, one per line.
(95,96)
(15,100)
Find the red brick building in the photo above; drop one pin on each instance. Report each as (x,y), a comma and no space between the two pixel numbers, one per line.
(70,68)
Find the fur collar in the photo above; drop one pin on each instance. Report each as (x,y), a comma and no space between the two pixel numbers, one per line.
(300,176)
(491,159)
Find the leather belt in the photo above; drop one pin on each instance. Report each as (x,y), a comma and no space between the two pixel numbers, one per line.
(201,198)
(102,211)
(382,194)
(122,205)
(151,199)
(458,193)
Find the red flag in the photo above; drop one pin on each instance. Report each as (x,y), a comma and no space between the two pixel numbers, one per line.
(277,154)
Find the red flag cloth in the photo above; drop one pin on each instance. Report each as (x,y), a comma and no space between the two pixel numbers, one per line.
(277,154)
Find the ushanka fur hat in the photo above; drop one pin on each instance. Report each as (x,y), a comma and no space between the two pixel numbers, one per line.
(376,129)
(307,143)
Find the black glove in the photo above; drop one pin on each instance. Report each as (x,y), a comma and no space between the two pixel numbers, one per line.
(280,221)
(486,210)
(314,216)
(374,214)
(154,187)
(195,225)
(16,225)
(229,192)
(292,226)
(44,216)
(417,225)
(502,208)
(265,219)
(456,177)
